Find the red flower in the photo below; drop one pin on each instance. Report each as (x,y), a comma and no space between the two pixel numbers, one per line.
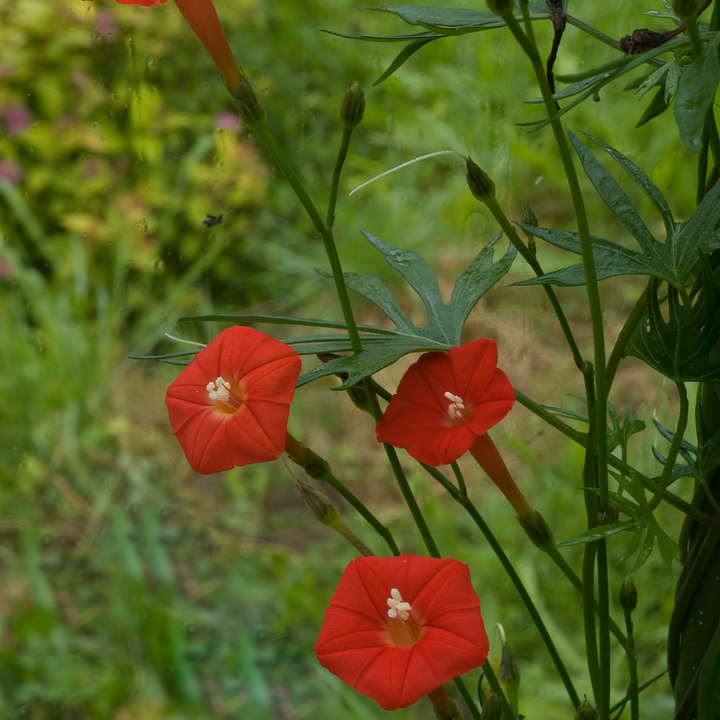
(445,401)
(399,627)
(230,405)
(203,19)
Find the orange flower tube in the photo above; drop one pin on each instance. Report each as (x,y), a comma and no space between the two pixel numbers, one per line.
(203,19)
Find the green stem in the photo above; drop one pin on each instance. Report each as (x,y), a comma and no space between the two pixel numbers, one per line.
(495,686)
(580,438)
(591,282)
(693,33)
(319,469)
(472,707)
(674,447)
(528,255)
(572,576)
(342,154)
(591,650)
(410,501)
(633,690)
(604,629)
(514,578)
(263,132)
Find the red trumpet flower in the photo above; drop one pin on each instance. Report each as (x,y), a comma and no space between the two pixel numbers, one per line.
(445,401)
(399,627)
(230,405)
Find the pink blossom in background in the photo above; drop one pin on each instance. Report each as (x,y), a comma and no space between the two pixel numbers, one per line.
(16,118)
(11,171)
(227,121)
(106,25)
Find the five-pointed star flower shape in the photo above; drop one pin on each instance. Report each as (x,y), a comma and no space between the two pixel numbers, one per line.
(445,401)
(399,627)
(230,405)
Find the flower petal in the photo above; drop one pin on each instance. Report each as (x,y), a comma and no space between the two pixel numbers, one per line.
(354,642)
(417,417)
(265,370)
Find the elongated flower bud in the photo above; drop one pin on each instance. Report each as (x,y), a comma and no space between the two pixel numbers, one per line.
(538,531)
(353,106)
(509,677)
(479,182)
(492,707)
(628,595)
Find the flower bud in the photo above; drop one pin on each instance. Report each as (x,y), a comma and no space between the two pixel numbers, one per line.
(501,7)
(685,8)
(251,109)
(586,711)
(479,182)
(628,595)
(509,677)
(353,106)
(538,531)
(492,707)
(319,505)
(528,217)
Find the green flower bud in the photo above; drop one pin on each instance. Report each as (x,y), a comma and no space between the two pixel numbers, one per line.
(509,677)
(353,106)
(586,711)
(528,217)
(251,110)
(628,595)
(479,182)
(501,7)
(538,531)
(319,505)
(685,8)
(492,707)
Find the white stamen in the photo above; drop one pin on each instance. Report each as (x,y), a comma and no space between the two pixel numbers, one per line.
(219,390)
(456,406)
(398,608)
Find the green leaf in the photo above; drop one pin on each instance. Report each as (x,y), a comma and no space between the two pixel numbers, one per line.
(656,78)
(445,320)
(607,77)
(696,91)
(673,79)
(651,191)
(598,533)
(657,106)
(672,260)
(454,19)
(681,347)
(405,54)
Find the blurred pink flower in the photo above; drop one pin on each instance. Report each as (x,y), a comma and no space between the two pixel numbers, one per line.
(11,171)
(16,118)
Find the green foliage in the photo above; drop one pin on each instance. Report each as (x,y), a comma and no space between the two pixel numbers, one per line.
(682,347)
(672,260)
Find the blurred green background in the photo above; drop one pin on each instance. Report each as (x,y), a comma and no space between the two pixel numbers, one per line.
(131,588)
